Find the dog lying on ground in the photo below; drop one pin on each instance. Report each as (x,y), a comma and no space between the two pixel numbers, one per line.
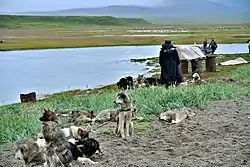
(82,116)
(112,114)
(88,146)
(59,151)
(31,154)
(176,115)
(196,79)
(152,81)
(125,126)
(106,115)
(78,148)
(75,132)
(125,83)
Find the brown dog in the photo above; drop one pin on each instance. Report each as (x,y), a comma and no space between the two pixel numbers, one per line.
(49,115)
(75,132)
(72,131)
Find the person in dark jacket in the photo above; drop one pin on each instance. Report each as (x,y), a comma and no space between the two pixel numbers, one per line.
(169,61)
(205,46)
(213,45)
(248,41)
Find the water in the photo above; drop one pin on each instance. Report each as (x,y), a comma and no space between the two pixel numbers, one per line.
(55,70)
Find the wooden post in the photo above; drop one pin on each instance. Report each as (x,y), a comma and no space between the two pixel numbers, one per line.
(184,66)
(199,65)
(211,63)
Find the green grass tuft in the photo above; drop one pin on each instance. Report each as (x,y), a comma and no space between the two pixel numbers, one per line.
(242,74)
(19,121)
(106,132)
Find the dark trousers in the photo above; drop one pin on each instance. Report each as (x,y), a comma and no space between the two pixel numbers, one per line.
(164,80)
(249,48)
(213,49)
(179,77)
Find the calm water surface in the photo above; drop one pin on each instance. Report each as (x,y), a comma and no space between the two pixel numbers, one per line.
(55,70)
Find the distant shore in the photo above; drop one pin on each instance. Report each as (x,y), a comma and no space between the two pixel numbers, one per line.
(13,45)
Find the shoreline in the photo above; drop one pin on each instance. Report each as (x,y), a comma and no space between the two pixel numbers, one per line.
(73,92)
(97,46)
(21,45)
(75,47)
(151,63)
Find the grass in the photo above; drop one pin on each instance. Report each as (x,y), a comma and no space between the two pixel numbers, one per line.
(108,34)
(242,74)
(19,121)
(23,44)
(13,21)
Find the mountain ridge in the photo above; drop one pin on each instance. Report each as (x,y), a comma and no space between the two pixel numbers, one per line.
(193,10)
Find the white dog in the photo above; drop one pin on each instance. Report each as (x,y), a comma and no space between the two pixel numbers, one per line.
(176,115)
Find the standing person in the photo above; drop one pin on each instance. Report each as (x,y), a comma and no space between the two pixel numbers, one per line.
(248,41)
(213,45)
(169,62)
(205,46)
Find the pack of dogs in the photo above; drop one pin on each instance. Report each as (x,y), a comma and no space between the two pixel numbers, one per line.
(55,146)
(127,83)
(59,147)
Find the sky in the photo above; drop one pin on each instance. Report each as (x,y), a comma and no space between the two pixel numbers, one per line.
(13,6)
(48,5)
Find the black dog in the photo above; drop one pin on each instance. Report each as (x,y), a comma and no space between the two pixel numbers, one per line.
(130,81)
(125,83)
(152,81)
(88,146)
(75,151)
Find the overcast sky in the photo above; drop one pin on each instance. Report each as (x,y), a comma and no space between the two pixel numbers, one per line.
(43,5)
(50,5)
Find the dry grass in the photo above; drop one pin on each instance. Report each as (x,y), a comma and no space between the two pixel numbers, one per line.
(20,39)
(108,41)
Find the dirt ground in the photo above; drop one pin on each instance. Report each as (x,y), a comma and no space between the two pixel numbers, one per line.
(217,136)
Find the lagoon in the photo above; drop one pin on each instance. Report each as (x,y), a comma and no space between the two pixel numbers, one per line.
(54,70)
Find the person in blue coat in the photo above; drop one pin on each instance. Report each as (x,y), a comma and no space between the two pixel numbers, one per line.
(213,45)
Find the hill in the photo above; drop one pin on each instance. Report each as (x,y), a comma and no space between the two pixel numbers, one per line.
(14,21)
(206,11)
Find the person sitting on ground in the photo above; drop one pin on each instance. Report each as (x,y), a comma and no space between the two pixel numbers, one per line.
(169,61)
(248,41)
(213,45)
